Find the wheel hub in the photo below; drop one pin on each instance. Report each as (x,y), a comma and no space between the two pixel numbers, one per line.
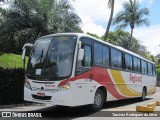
(98,100)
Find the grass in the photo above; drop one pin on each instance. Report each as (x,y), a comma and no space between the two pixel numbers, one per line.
(11,61)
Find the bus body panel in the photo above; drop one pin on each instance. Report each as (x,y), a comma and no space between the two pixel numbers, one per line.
(119,84)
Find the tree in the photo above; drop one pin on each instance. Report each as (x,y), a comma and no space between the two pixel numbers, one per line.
(63,19)
(111,6)
(131,15)
(25,20)
(120,38)
(94,35)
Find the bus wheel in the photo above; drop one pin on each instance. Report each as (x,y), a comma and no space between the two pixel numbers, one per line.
(98,100)
(143,97)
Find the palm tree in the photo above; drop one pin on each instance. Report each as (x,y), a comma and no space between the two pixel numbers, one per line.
(131,15)
(63,18)
(111,6)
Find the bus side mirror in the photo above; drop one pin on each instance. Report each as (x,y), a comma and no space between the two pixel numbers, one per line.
(24,49)
(24,52)
(81,54)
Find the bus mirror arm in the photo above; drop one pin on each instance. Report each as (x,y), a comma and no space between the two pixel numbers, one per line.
(23,53)
(79,44)
(81,54)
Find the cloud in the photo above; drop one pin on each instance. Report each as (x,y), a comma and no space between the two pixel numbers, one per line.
(95,15)
(149,37)
(95,9)
(90,26)
(98,9)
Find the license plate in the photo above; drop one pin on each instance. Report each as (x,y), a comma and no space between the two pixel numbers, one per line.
(41,94)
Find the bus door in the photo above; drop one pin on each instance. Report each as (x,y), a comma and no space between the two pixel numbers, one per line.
(83,86)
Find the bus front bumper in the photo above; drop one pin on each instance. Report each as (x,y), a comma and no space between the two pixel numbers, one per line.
(54,98)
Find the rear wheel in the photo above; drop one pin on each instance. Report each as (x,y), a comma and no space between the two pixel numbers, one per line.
(143,97)
(98,100)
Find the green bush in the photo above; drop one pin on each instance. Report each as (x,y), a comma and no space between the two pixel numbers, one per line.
(158,69)
(10,61)
(158,66)
(158,72)
(11,85)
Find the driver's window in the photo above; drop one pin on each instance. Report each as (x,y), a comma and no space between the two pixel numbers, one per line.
(86,63)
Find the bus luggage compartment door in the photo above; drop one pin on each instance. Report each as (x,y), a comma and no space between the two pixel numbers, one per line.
(83,94)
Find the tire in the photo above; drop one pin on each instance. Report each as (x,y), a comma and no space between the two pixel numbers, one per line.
(143,97)
(98,100)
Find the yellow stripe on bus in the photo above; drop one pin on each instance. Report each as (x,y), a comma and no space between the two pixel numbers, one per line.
(136,92)
(117,76)
(151,91)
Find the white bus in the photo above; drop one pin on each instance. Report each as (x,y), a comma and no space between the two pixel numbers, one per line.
(73,69)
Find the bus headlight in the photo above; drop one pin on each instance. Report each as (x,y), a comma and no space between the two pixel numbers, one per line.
(27,84)
(64,87)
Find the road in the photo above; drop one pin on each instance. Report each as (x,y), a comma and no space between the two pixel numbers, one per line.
(84,111)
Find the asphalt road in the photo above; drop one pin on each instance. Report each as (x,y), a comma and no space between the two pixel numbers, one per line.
(84,112)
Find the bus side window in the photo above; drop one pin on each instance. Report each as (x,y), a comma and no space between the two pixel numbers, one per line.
(150,69)
(128,62)
(86,63)
(154,70)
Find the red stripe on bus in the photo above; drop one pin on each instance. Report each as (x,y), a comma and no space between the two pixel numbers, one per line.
(99,75)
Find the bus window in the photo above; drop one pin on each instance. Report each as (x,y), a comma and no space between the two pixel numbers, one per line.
(154,70)
(101,55)
(116,58)
(105,56)
(87,56)
(98,56)
(144,67)
(128,62)
(136,64)
(149,69)
(86,63)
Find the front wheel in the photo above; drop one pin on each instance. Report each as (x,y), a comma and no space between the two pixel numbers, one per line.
(98,100)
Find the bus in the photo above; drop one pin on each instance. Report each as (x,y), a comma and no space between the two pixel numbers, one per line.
(75,69)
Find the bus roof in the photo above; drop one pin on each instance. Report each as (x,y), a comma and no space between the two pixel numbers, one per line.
(101,41)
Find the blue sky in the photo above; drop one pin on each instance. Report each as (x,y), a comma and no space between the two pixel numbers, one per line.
(154,12)
(95,15)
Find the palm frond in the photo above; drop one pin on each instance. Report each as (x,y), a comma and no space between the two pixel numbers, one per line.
(121,26)
(143,21)
(131,14)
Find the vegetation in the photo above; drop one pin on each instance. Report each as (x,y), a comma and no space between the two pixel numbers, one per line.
(12,82)
(94,35)
(131,15)
(111,6)
(22,21)
(11,61)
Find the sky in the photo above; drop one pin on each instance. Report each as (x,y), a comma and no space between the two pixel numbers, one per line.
(95,15)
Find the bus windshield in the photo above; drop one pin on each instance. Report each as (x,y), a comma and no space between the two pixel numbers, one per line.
(51,58)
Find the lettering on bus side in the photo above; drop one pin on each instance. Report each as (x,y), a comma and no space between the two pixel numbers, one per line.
(134,78)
